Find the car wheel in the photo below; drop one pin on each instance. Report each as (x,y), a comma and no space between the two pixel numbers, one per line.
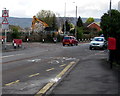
(90,48)
(63,44)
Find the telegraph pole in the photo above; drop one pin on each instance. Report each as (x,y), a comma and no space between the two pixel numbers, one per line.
(111,53)
(110,9)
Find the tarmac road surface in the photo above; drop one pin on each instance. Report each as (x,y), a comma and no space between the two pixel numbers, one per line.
(27,71)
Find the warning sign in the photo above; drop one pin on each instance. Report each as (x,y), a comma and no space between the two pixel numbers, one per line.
(5,21)
(5,13)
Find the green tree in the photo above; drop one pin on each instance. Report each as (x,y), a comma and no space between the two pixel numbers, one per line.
(49,17)
(110,25)
(72,31)
(67,25)
(15,33)
(79,22)
(90,20)
(80,32)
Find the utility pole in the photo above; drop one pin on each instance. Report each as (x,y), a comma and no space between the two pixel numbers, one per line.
(111,52)
(110,9)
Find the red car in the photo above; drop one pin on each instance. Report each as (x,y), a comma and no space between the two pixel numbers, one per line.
(70,40)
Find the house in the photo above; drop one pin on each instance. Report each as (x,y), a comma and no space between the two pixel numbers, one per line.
(94,26)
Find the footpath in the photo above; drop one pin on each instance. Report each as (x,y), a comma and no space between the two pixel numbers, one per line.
(9,46)
(92,76)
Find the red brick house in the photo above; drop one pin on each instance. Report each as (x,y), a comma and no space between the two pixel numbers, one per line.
(94,26)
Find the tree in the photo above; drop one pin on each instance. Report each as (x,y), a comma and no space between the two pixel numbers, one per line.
(15,33)
(79,22)
(49,17)
(110,25)
(90,20)
(67,25)
(80,32)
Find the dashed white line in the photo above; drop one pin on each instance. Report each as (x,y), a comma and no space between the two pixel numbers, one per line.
(11,55)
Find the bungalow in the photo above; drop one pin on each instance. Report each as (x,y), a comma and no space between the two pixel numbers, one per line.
(94,26)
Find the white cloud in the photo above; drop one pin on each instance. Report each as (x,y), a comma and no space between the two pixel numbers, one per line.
(86,8)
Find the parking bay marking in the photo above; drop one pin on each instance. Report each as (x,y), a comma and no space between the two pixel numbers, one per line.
(62,65)
(50,84)
(17,81)
(34,75)
(50,69)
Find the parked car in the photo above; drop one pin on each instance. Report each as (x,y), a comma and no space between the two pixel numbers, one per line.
(98,42)
(70,40)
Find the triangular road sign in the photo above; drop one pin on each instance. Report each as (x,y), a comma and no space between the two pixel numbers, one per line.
(5,13)
(5,21)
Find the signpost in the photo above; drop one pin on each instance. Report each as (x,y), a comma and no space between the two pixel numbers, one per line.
(5,23)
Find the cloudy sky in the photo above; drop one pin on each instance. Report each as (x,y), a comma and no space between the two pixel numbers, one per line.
(86,8)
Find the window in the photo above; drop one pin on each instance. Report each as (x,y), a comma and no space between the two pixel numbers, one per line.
(98,39)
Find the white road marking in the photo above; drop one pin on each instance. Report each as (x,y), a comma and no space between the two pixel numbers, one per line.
(34,75)
(50,69)
(62,65)
(34,60)
(11,55)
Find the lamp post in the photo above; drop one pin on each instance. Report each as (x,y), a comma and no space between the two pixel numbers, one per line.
(76,21)
(76,24)
(65,19)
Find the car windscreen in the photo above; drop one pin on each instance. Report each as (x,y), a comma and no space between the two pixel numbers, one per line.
(67,37)
(98,39)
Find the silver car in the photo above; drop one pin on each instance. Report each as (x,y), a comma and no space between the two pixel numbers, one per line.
(98,42)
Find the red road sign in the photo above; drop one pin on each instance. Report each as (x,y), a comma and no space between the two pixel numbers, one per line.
(5,21)
(5,13)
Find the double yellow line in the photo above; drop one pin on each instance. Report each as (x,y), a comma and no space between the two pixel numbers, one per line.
(50,84)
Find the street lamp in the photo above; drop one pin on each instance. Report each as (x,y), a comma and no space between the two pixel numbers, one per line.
(65,19)
(76,21)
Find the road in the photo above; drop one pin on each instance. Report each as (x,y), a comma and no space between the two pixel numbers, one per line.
(27,71)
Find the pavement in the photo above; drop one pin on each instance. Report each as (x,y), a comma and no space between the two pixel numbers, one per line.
(92,76)
(9,47)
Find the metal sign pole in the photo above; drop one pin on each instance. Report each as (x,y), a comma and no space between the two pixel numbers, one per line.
(5,23)
(5,39)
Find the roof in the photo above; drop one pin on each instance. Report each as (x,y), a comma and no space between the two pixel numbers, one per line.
(99,37)
(93,23)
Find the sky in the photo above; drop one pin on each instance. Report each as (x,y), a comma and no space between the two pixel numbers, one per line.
(85,8)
